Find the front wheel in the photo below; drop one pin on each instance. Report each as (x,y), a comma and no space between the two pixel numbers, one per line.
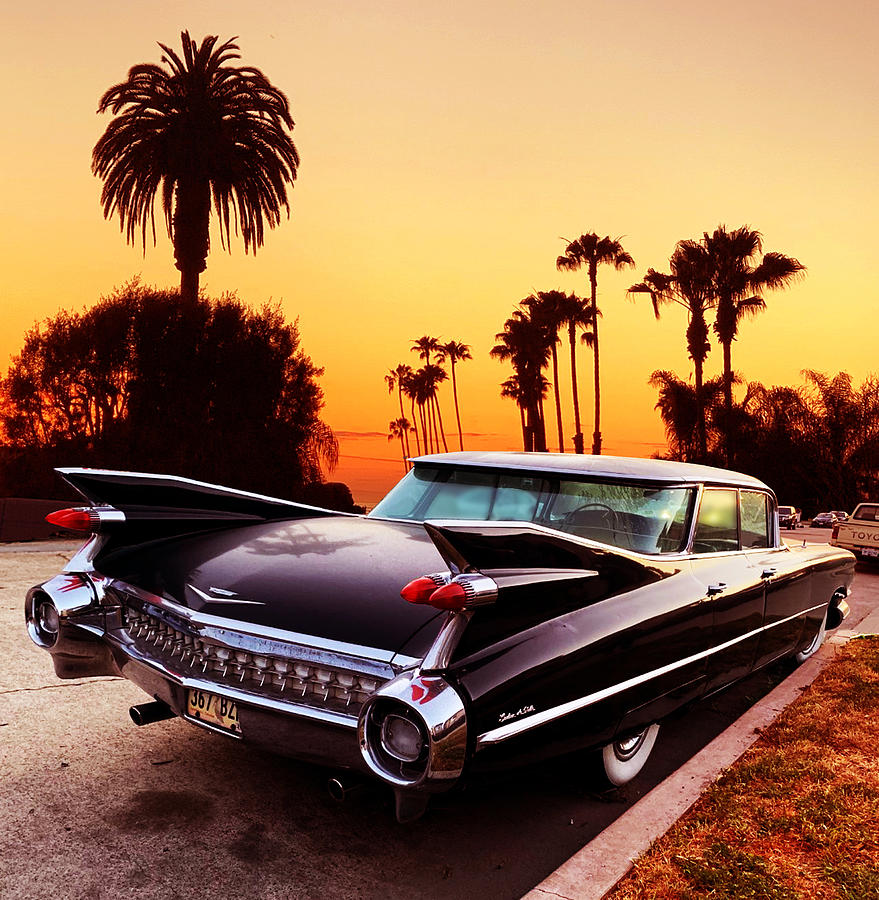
(622,760)
(817,641)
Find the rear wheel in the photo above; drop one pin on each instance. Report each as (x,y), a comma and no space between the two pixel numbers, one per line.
(623,759)
(817,641)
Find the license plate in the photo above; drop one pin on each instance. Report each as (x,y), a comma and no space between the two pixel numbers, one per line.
(869,551)
(213,710)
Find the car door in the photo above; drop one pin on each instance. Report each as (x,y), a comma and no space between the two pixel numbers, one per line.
(786,580)
(734,589)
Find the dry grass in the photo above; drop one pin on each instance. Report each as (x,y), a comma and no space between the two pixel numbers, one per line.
(797,816)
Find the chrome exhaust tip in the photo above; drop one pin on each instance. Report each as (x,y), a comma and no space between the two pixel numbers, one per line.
(147,713)
(339,787)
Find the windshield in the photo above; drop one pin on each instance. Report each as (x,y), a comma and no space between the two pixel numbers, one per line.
(643,518)
(785,510)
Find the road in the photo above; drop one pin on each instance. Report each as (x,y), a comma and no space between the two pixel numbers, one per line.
(92,807)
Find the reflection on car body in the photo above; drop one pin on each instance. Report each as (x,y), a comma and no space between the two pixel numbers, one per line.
(493,609)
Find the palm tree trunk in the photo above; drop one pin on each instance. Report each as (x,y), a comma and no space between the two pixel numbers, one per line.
(414,425)
(578,434)
(558,402)
(524,427)
(191,239)
(403,416)
(596,435)
(540,439)
(727,402)
(700,413)
(403,450)
(442,430)
(457,411)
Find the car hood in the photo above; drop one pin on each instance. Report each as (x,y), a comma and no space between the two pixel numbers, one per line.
(336,578)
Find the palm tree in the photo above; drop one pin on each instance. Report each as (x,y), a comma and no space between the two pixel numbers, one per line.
(424,346)
(682,409)
(591,251)
(196,128)
(689,285)
(399,428)
(525,342)
(394,380)
(512,390)
(546,307)
(455,352)
(738,284)
(410,387)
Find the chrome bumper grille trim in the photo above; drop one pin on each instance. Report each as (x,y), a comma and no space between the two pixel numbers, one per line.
(202,621)
(222,665)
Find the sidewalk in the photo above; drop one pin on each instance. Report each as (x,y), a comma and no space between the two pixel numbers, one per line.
(594,870)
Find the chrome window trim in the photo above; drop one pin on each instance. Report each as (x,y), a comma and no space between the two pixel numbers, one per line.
(496,735)
(219,628)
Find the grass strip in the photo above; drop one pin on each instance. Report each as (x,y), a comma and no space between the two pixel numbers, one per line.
(797,816)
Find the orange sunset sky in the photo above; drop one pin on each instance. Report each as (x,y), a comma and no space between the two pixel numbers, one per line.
(446,148)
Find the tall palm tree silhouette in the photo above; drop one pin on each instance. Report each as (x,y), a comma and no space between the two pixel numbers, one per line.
(410,389)
(399,428)
(738,284)
(395,380)
(556,311)
(525,342)
(591,251)
(431,376)
(455,352)
(196,128)
(689,285)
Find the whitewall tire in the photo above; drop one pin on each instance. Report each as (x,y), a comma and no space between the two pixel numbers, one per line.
(622,760)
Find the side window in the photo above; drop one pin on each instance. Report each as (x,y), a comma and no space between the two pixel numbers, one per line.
(717,524)
(517,498)
(755,520)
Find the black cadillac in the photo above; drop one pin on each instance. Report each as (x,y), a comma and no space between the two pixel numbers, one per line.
(493,609)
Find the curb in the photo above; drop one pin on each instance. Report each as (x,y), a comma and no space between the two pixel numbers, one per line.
(593,871)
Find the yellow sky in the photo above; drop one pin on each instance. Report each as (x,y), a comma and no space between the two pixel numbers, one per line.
(445,150)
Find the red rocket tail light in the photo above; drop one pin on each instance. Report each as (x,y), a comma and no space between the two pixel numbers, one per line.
(73,519)
(835,531)
(86,518)
(462,592)
(420,590)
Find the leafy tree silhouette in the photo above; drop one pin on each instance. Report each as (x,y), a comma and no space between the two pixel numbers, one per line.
(211,390)
(191,129)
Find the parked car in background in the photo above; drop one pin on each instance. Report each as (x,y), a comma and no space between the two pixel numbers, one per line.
(841,514)
(494,609)
(788,517)
(860,532)
(825,520)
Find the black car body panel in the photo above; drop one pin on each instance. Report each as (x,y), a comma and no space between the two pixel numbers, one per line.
(617,595)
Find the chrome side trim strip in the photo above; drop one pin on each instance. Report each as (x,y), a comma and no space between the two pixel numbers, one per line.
(220,628)
(496,735)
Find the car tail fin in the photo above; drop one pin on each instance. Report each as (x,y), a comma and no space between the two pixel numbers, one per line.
(520,552)
(179,503)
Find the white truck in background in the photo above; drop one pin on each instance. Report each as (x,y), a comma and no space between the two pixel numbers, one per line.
(860,532)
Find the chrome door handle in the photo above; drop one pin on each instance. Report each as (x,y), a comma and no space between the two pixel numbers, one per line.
(767,573)
(718,588)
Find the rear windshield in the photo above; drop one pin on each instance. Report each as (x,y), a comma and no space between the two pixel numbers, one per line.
(868,512)
(643,518)
(785,510)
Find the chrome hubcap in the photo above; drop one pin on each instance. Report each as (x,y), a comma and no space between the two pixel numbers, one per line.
(626,749)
